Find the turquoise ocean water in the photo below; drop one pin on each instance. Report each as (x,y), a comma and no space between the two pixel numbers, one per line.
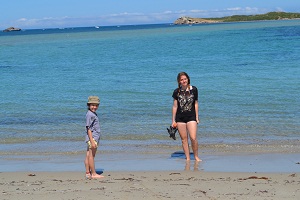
(247,75)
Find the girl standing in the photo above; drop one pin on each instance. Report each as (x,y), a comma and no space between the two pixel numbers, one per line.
(185,114)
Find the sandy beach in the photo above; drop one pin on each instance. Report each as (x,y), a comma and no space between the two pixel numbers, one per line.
(150,185)
(224,176)
(256,175)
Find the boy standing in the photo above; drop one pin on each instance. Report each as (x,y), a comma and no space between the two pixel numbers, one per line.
(92,137)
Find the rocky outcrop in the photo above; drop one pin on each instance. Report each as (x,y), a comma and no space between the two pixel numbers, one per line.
(190,20)
(11,29)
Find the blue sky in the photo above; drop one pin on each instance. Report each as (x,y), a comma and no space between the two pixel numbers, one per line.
(30,14)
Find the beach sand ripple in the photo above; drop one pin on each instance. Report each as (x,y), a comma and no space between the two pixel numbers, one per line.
(150,185)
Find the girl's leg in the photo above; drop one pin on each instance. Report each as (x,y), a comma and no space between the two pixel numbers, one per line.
(192,129)
(184,139)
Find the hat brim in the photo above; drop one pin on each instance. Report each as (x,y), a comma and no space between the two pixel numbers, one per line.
(94,102)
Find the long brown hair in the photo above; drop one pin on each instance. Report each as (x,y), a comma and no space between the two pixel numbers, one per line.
(179,77)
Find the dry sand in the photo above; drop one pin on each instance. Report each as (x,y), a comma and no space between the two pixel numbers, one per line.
(150,185)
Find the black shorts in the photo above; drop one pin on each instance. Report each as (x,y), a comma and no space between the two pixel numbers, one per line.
(185,119)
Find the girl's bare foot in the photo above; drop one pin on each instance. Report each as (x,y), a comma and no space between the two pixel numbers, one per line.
(198,159)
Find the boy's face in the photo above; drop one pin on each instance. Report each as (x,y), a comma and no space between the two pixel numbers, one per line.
(93,107)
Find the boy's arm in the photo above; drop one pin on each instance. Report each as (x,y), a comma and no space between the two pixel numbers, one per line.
(90,134)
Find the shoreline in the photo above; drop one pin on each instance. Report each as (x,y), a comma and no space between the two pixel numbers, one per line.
(125,161)
(280,156)
(150,185)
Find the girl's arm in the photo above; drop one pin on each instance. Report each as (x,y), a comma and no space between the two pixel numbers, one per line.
(174,110)
(197,112)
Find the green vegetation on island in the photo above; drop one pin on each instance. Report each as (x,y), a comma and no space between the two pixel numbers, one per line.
(239,18)
(267,16)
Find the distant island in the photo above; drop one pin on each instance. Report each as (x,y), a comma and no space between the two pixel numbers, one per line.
(239,18)
(11,29)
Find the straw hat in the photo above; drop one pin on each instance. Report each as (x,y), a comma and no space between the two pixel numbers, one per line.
(93,99)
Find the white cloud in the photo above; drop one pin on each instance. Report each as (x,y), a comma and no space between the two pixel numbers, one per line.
(167,12)
(279,9)
(22,20)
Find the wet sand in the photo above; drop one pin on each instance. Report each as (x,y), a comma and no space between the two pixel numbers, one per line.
(118,162)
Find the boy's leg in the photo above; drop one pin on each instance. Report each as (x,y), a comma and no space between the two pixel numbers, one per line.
(86,164)
(91,156)
(91,160)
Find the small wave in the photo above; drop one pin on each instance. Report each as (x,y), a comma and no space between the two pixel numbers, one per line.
(5,66)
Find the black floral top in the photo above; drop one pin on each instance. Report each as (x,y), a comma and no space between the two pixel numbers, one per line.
(186,101)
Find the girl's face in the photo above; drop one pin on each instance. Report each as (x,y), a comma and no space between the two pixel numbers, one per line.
(93,107)
(183,81)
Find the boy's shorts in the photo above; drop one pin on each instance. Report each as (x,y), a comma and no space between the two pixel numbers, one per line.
(90,145)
